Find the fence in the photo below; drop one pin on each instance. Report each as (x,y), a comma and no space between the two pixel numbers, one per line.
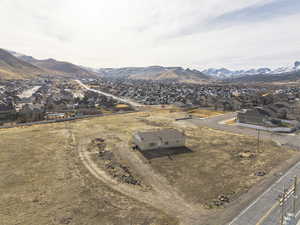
(62,120)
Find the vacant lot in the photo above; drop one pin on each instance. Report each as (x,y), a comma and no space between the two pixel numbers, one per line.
(218,162)
(203,113)
(44,181)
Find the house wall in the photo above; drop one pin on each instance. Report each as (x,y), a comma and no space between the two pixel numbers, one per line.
(274,129)
(251,118)
(144,145)
(173,142)
(163,143)
(7,116)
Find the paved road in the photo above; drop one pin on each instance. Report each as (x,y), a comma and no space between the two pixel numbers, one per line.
(291,140)
(265,209)
(132,103)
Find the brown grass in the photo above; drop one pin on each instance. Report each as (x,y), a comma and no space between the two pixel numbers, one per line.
(213,168)
(43,182)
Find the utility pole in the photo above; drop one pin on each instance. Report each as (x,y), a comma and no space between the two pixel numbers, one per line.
(282,202)
(295,195)
(288,195)
(258,137)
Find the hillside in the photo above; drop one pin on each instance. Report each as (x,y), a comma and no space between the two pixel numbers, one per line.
(283,77)
(155,73)
(54,67)
(13,68)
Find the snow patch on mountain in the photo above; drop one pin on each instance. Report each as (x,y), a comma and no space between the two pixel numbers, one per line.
(224,73)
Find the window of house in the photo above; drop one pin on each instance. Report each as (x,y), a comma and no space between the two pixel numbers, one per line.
(166,143)
(152,144)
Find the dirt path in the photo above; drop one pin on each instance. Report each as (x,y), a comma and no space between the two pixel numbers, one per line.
(162,196)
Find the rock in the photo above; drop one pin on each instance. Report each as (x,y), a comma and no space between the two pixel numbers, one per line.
(66,220)
(217,203)
(106,155)
(260,173)
(223,198)
(247,155)
(99,140)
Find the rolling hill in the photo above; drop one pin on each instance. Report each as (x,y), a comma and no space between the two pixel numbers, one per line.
(157,73)
(54,67)
(13,68)
(62,68)
(268,78)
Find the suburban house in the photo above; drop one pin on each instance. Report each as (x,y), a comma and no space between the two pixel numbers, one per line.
(165,138)
(53,116)
(257,116)
(7,116)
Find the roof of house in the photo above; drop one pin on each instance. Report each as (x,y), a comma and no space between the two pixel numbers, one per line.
(157,135)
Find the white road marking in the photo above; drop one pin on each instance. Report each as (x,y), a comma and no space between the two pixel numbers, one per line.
(269,189)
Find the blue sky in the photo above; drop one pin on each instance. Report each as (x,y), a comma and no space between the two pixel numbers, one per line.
(190,33)
(260,13)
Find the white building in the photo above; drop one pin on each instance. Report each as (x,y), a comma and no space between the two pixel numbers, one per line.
(166,138)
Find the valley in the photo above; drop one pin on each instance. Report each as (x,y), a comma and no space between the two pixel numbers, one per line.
(69,132)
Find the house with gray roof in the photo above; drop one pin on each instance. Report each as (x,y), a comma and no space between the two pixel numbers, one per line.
(157,139)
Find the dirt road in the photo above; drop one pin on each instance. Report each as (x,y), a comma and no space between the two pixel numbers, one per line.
(162,195)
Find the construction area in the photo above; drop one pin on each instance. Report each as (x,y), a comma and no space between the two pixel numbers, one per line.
(87,172)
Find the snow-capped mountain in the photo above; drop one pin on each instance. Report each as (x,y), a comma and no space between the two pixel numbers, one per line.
(224,73)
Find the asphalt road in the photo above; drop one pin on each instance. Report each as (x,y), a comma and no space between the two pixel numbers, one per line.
(291,140)
(265,210)
(132,103)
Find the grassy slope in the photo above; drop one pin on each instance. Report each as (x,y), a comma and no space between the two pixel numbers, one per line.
(14,68)
(178,75)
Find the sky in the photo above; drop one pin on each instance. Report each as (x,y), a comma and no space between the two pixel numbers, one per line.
(199,34)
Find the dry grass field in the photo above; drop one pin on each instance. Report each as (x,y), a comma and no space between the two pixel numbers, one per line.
(203,113)
(44,181)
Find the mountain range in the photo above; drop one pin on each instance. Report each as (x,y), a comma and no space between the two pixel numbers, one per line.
(15,65)
(224,73)
(292,76)
(55,68)
(155,73)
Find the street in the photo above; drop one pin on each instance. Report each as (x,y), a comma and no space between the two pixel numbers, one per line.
(265,210)
(134,104)
(290,140)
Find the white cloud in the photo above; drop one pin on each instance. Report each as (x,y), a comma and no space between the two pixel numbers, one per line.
(112,33)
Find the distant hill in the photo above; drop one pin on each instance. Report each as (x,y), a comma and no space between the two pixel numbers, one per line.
(13,68)
(54,67)
(224,73)
(281,77)
(155,73)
